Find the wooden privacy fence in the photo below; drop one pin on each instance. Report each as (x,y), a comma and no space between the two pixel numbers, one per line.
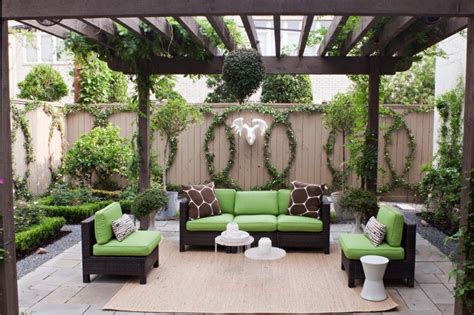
(249,170)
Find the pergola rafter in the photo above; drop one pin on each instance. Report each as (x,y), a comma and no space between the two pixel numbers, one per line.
(55,30)
(332,34)
(305,29)
(192,27)
(221,29)
(249,26)
(131,24)
(356,35)
(106,25)
(87,30)
(277,33)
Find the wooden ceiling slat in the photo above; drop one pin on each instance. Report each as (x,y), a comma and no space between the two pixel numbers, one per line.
(159,25)
(305,29)
(249,26)
(106,25)
(273,65)
(192,27)
(356,35)
(132,24)
(86,30)
(221,29)
(277,32)
(55,30)
(332,34)
(445,29)
(390,30)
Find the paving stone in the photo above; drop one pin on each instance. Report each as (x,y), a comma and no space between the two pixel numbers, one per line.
(171,226)
(445,266)
(425,272)
(395,295)
(446,309)
(61,295)
(97,310)
(62,263)
(412,312)
(437,293)
(127,313)
(62,276)
(58,309)
(29,296)
(429,253)
(416,299)
(96,293)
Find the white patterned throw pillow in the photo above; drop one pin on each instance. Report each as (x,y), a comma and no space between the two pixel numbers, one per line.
(375,231)
(123,227)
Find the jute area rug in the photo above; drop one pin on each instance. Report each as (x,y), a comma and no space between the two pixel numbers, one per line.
(199,282)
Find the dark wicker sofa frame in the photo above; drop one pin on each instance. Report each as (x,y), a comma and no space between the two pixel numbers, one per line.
(316,240)
(112,265)
(396,269)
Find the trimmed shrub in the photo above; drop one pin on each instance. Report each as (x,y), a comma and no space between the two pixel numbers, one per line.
(149,201)
(358,200)
(243,72)
(26,215)
(72,214)
(287,88)
(43,83)
(36,235)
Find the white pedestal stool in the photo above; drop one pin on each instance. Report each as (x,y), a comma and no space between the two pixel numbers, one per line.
(374,269)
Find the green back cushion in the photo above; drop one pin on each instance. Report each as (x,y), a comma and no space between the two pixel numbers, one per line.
(226,199)
(256,202)
(394,222)
(103,222)
(283,200)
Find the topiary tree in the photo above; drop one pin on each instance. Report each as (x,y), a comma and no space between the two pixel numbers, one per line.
(286,88)
(43,83)
(243,72)
(148,202)
(170,120)
(102,152)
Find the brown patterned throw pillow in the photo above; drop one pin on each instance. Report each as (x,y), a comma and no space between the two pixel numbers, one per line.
(305,199)
(202,201)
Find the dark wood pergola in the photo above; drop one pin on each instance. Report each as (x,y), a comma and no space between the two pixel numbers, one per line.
(385,52)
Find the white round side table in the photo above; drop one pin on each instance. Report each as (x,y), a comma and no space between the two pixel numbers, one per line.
(219,240)
(374,269)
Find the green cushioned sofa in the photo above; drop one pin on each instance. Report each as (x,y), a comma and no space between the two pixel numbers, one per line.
(102,253)
(399,247)
(262,214)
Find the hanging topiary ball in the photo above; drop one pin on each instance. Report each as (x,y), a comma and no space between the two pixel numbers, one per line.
(243,72)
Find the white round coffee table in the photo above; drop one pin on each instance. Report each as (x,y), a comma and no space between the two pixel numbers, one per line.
(275,253)
(219,240)
(374,269)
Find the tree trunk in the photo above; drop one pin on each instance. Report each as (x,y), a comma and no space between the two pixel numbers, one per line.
(165,163)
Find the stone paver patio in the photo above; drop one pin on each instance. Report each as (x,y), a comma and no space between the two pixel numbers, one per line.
(56,287)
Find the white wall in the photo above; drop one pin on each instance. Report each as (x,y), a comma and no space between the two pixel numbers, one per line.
(448,71)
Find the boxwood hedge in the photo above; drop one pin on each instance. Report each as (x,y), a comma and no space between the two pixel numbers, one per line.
(37,234)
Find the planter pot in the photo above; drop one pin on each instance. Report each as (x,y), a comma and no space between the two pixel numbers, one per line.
(171,210)
(340,214)
(357,229)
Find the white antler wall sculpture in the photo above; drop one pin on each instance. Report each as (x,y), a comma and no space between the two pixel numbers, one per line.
(238,125)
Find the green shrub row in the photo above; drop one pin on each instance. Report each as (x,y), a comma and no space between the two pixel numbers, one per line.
(38,234)
(75,214)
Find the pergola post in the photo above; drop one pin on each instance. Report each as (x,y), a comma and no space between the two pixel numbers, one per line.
(144,177)
(372,137)
(8,277)
(468,149)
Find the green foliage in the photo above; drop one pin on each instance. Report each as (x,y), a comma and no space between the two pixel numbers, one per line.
(72,214)
(352,23)
(441,186)
(63,195)
(43,83)
(243,72)
(357,200)
(26,215)
(149,201)
(170,120)
(220,92)
(163,87)
(33,237)
(102,152)
(287,88)
(209,31)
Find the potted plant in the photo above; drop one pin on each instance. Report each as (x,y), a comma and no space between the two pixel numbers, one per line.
(360,202)
(147,204)
(170,120)
(339,117)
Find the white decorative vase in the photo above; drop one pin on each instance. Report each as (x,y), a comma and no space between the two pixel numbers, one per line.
(357,229)
(264,246)
(172,209)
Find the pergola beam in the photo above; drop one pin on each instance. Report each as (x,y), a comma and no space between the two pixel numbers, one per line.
(277,33)
(159,25)
(305,29)
(249,26)
(192,27)
(86,30)
(27,9)
(222,31)
(132,24)
(356,35)
(55,30)
(389,31)
(105,25)
(333,32)
(273,65)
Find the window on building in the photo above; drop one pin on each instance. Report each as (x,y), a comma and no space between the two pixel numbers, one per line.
(44,48)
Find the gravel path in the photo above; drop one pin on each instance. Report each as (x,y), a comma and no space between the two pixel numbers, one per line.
(33,261)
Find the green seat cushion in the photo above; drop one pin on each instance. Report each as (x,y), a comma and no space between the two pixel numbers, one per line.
(215,223)
(256,202)
(283,200)
(394,221)
(139,243)
(295,223)
(226,199)
(257,222)
(103,222)
(355,246)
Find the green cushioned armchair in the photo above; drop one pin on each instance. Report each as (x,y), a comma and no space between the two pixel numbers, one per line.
(102,253)
(262,214)
(399,247)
